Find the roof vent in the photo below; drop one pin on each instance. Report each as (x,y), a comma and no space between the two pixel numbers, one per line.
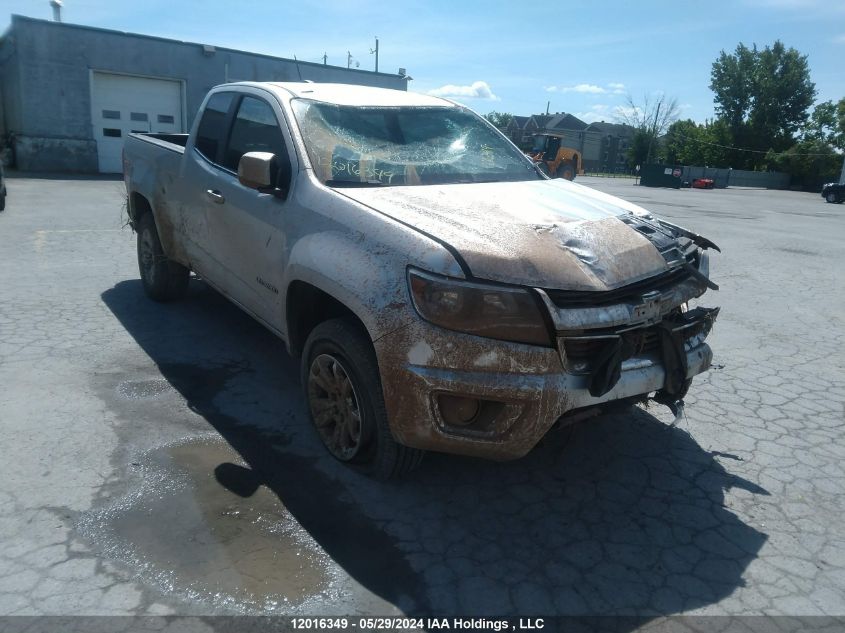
(57,10)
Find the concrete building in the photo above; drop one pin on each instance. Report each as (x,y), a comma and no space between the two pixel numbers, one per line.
(615,140)
(69,94)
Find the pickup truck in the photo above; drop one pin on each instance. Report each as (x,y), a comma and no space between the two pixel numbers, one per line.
(441,292)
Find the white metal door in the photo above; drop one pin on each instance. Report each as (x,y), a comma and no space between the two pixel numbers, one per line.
(121,104)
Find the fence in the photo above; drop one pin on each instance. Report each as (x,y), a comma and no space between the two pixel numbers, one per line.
(738,177)
(608,174)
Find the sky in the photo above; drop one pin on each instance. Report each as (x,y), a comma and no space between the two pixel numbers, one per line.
(585,58)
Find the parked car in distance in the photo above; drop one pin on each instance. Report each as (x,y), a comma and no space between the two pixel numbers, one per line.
(703,183)
(833,192)
(441,293)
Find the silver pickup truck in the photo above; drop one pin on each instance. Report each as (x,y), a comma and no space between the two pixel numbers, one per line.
(441,292)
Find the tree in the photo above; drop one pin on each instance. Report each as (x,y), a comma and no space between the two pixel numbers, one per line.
(731,82)
(638,149)
(716,151)
(810,162)
(650,119)
(499,119)
(689,143)
(764,97)
(827,124)
(683,143)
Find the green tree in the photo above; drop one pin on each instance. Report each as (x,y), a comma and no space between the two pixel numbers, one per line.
(827,124)
(810,162)
(683,143)
(764,96)
(499,119)
(716,151)
(638,149)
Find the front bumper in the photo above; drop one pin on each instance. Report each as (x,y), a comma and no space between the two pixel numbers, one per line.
(528,384)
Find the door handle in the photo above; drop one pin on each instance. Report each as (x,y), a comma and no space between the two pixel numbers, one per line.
(215,196)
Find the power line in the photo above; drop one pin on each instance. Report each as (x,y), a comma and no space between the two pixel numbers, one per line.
(741,149)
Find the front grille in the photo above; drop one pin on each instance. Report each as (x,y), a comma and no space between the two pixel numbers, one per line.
(632,293)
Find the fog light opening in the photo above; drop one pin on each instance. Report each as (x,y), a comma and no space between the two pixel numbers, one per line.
(458,411)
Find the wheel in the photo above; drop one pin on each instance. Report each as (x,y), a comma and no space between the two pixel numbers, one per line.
(163,279)
(831,197)
(3,201)
(566,171)
(342,386)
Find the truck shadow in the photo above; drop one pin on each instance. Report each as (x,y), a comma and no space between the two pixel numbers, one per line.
(621,515)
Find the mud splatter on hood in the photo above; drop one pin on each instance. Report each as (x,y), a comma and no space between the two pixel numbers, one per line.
(545,233)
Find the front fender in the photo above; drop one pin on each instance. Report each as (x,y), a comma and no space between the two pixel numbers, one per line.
(369,284)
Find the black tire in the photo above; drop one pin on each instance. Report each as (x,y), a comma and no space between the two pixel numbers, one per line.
(3,201)
(566,171)
(831,197)
(344,342)
(163,279)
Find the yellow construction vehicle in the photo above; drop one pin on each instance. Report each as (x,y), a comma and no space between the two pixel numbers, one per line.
(555,159)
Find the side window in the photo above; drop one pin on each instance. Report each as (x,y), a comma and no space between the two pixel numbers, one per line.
(211,132)
(255,130)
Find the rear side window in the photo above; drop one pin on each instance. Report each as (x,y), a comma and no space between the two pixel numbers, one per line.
(255,130)
(212,128)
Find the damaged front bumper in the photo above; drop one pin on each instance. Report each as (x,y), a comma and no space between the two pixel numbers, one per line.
(521,390)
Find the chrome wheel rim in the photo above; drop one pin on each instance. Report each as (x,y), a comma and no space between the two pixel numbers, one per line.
(335,407)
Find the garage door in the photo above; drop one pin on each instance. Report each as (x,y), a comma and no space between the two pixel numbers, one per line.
(122,104)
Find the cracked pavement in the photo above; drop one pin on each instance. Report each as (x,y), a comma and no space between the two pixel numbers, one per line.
(158,459)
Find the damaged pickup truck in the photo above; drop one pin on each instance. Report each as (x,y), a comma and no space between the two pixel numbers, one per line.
(441,293)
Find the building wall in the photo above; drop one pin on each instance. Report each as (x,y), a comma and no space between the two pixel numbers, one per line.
(46,71)
(10,86)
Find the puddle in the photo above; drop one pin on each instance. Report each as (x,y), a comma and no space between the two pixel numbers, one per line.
(138,389)
(205,528)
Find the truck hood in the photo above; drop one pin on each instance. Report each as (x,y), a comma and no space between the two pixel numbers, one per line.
(544,233)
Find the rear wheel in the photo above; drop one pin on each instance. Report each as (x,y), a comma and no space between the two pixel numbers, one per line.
(831,197)
(342,386)
(163,279)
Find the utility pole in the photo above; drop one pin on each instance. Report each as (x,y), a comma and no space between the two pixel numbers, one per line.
(548,103)
(375,50)
(325,59)
(348,59)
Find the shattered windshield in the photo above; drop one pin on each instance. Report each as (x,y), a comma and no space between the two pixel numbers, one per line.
(390,146)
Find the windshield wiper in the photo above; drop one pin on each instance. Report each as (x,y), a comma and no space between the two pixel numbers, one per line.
(355,183)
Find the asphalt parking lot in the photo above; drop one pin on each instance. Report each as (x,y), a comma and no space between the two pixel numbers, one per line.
(157,458)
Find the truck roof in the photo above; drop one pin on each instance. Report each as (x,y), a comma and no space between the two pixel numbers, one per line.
(348,94)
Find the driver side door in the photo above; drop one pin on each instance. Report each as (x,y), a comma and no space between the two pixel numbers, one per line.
(246,227)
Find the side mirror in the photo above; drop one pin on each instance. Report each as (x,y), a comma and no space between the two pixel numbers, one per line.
(256,170)
(265,172)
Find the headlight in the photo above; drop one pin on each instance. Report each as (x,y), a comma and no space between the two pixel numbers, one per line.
(500,312)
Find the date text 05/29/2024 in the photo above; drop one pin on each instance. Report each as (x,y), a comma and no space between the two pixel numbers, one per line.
(410,624)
